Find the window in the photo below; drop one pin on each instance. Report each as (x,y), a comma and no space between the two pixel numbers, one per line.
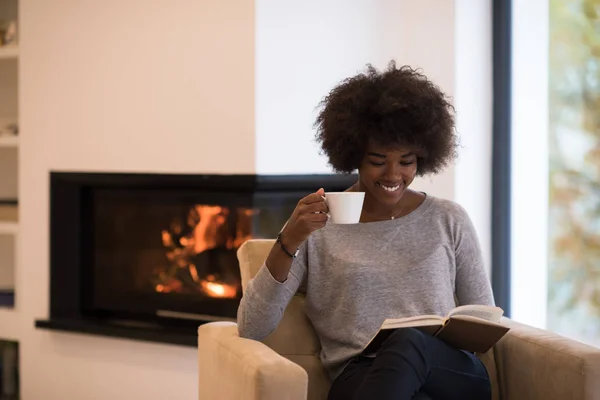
(547,164)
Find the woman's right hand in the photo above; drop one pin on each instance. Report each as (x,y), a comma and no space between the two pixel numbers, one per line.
(310,215)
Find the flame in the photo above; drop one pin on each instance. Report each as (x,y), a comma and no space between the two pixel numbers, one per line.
(218,289)
(206,232)
(210,228)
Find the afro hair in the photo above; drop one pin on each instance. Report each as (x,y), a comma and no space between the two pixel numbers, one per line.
(394,107)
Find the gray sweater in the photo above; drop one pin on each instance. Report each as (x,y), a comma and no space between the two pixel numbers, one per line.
(355,276)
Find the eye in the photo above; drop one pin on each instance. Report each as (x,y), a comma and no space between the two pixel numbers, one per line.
(376,164)
(407,163)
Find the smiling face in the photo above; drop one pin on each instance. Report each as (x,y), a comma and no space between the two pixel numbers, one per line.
(385,174)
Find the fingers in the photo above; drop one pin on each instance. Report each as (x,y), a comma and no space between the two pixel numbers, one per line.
(317,218)
(314,197)
(310,214)
(313,226)
(316,214)
(317,207)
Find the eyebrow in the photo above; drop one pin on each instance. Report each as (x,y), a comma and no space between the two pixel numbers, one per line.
(384,156)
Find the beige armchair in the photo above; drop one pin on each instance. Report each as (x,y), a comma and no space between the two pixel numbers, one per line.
(526,364)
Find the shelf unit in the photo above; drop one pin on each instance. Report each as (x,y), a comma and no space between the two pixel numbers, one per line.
(9,163)
(9,211)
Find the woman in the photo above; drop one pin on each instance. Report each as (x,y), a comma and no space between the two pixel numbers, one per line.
(411,254)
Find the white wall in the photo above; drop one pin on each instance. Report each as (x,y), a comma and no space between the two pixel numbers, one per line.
(113,85)
(140,85)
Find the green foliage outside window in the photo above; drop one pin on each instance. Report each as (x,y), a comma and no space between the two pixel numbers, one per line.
(574,220)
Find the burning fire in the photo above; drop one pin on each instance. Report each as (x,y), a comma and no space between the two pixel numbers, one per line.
(218,289)
(209,232)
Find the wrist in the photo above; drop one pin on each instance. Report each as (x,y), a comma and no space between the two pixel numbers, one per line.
(291,241)
(289,247)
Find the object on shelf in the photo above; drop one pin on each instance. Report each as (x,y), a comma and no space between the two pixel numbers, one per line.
(7,299)
(9,213)
(8,33)
(13,128)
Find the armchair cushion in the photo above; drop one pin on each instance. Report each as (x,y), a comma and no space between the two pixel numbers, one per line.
(537,364)
(251,256)
(239,368)
(295,337)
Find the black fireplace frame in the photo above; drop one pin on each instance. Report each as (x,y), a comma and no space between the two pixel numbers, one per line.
(70,195)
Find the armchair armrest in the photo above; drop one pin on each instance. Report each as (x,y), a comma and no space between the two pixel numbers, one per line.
(537,364)
(230,367)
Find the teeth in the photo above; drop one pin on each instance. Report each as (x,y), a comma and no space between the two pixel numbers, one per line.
(390,188)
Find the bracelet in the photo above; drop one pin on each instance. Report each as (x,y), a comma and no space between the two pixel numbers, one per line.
(294,255)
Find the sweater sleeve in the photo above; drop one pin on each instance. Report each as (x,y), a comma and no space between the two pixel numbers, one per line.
(265,299)
(472,282)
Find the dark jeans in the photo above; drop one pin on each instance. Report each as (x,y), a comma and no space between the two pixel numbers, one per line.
(413,365)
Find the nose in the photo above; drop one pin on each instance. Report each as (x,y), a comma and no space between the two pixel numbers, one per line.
(393,172)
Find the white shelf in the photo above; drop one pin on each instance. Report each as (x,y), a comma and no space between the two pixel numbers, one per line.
(9,52)
(9,141)
(9,228)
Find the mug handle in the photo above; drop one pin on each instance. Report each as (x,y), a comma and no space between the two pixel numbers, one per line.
(327,204)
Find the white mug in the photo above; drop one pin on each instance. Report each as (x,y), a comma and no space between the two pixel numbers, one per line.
(344,207)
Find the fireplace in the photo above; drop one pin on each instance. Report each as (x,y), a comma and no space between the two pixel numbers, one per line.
(151,257)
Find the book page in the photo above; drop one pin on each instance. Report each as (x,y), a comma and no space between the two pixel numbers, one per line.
(420,320)
(488,313)
(475,320)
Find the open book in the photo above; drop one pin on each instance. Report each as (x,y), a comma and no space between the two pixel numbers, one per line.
(473,328)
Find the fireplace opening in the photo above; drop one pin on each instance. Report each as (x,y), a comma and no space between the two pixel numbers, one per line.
(172,251)
(152,256)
